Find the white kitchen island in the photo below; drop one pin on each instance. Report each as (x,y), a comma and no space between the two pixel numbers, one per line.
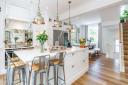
(76,61)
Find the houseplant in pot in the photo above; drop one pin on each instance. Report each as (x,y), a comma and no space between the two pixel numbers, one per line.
(82,43)
(124,16)
(42,38)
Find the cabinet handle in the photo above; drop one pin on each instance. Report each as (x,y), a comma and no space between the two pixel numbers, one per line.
(83,61)
(73,54)
(0,9)
(73,66)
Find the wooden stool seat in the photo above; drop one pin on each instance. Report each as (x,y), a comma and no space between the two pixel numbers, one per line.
(15,59)
(16,64)
(55,61)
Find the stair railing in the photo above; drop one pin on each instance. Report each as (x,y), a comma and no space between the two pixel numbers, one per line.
(122,64)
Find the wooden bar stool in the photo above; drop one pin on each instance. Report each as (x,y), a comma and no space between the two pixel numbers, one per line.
(15,64)
(56,62)
(40,66)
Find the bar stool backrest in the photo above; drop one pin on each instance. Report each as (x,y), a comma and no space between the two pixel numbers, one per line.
(41,62)
(60,56)
(9,60)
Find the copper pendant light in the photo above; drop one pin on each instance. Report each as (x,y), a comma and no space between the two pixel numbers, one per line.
(38,19)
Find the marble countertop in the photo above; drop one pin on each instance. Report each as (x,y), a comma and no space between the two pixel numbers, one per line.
(28,55)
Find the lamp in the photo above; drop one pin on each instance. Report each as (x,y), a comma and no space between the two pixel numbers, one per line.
(38,19)
(70,26)
(57,22)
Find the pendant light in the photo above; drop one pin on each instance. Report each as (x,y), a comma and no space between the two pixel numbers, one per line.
(70,26)
(38,19)
(57,22)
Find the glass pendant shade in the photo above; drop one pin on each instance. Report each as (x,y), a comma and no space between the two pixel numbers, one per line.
(38,19)
(70,27)
(57,23)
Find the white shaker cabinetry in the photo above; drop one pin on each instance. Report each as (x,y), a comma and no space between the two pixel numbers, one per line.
(76,64)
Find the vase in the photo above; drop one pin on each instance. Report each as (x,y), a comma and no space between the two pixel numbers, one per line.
(42,47)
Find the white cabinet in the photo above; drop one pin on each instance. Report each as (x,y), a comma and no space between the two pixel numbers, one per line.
(76,64)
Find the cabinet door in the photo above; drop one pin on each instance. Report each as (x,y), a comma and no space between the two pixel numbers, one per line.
(77,62)
(69,66)
(85,61)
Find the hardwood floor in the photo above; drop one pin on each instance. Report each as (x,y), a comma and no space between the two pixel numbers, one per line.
(103,71)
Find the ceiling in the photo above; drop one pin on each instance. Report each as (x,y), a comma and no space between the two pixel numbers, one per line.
(48,5)
(88,18)
(78,6)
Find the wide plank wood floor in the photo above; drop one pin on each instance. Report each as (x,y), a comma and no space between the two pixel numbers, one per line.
(103,71)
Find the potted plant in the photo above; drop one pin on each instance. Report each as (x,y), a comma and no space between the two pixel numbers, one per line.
(42,38)
(82,43)
(124,16)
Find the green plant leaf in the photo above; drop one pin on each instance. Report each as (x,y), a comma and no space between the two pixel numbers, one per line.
(43,37)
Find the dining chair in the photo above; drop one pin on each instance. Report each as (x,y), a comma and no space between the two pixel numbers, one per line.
(15,65)
(39,65)
(56,62)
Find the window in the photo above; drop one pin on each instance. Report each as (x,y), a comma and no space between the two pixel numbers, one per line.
(93,34)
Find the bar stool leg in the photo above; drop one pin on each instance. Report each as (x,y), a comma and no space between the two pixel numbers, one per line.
(24,75)
(57,74)
(41,78)
(11,81)
(35,78)
(54,71)
(47,83)
(64,74)
(20,77)
(48,75)
(29,78)
(7,77)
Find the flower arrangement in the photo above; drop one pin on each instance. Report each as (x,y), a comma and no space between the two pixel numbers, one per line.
(42,38)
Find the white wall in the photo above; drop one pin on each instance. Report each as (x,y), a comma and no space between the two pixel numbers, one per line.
(18,13)
(2,24)
(110,18)
(87,7)
(109,37)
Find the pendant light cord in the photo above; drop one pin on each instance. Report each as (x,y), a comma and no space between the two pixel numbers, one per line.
(57,9)
(39,5)
(69,12)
